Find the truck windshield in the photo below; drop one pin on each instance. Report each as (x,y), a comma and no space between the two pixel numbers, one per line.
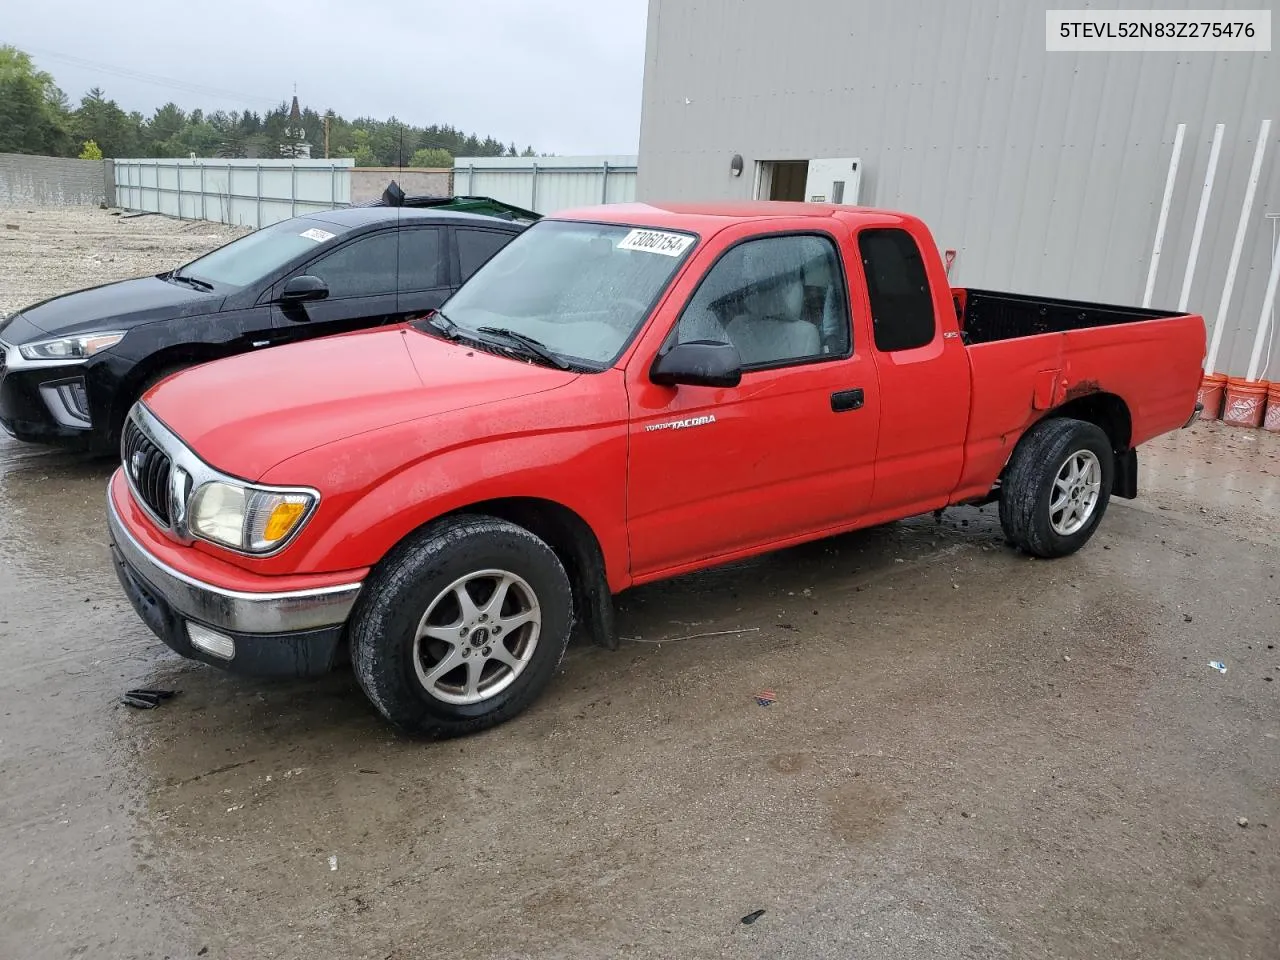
(254,256)
(581,289)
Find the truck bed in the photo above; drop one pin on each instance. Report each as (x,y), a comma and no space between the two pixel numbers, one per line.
(986,316)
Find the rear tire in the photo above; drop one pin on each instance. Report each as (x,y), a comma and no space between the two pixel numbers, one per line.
(462,627)
(1057,487)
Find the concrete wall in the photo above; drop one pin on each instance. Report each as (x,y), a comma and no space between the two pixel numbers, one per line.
(367,183)
(1044,171)
(34,180)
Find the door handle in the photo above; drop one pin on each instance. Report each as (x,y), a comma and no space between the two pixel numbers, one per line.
(843,400)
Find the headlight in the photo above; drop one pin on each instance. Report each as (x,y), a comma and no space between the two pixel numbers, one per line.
(246,518)
(70,348)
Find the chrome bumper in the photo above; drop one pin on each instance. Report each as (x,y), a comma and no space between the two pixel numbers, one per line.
(231,610)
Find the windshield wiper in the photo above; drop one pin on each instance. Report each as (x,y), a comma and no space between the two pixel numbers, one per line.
(448,329)
(191,281)
(532,347)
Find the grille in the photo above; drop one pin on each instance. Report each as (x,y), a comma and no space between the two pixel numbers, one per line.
(147,467)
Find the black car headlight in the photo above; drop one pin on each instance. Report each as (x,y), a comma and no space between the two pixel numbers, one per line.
(70,348)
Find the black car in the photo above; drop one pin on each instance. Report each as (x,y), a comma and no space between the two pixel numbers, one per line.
(71,367)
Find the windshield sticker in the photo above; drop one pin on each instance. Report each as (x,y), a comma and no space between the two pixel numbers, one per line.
(319,236)
(656,241)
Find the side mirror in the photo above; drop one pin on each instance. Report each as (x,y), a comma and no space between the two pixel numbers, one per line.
(698,363)
(302,289)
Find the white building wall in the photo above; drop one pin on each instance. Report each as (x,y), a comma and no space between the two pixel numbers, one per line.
(1044,171)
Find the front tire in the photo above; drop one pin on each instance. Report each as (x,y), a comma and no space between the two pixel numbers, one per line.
(462,627)
(1057,487)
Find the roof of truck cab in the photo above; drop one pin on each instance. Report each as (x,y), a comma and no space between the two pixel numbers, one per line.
(714,216)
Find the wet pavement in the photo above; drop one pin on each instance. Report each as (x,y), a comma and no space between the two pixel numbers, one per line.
(971,753)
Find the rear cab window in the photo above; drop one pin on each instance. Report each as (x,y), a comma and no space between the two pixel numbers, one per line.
(902,314)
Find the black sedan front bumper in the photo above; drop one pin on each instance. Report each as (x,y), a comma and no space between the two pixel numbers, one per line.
(62,405)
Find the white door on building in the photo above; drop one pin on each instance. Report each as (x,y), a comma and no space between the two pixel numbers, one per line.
(833,181)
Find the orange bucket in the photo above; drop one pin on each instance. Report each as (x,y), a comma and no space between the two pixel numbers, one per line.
(1246,399)
(1272,420)
(1212,386)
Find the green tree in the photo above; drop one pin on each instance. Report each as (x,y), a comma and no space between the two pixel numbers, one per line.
(118,134)
(36,117)
(33,115)
(431,157)
(163,131)
(90,151)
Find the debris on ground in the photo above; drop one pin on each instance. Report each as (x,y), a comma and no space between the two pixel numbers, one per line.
(766,698)
(143,699)
(752,917)
(1242,821)
(12,226)
(1186,618)
(1218,665)
(697,636)
(333,862)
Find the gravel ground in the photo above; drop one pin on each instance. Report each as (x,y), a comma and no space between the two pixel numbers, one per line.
(969,753)
(58,249)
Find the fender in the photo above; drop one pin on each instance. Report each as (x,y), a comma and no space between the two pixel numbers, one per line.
(365,512)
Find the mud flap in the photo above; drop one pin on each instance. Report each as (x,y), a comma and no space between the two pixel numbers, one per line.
(593,611)
(1126,481)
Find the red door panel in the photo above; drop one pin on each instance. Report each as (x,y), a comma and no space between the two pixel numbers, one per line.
(715,471)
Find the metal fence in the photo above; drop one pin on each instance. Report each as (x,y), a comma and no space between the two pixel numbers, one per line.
(547,184)
(248,193)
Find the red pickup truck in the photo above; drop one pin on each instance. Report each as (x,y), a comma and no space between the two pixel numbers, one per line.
(622,394)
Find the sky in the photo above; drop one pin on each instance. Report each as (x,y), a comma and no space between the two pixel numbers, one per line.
(563,76)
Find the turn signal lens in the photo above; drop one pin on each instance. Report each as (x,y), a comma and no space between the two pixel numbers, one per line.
(281,521)
(272,517)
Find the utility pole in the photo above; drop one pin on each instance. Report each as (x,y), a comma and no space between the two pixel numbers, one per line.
(326,134)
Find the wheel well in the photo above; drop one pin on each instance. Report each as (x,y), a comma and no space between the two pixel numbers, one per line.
(1104,410)
(187,355)
(576,546)
(1110,414)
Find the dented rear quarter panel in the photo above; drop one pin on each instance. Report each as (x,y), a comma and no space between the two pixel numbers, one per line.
(1154,366)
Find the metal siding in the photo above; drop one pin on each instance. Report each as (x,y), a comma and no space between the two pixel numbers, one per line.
(253,193)
(562,182)
(1044,171)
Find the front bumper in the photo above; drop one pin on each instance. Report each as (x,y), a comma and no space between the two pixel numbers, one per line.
(297,633)
(51,404)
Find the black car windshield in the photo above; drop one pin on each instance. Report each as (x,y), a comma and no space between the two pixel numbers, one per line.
(581,289)
(254,256)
